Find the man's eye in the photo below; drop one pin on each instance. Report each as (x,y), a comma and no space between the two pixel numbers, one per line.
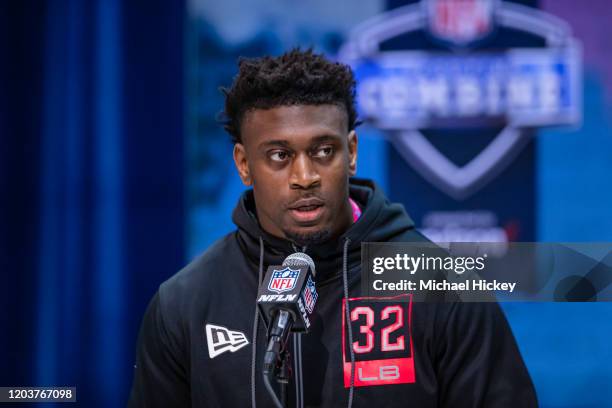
(323,152)
(279,156)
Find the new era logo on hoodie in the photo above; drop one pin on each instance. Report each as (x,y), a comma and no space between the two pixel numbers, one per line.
(220,339)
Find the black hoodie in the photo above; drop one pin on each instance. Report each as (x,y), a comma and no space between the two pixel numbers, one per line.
(201,333)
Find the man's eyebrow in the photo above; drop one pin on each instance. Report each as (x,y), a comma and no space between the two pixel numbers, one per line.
(326,138)
(271,143)
(286,143)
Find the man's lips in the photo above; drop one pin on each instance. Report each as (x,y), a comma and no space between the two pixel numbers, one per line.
(307,210)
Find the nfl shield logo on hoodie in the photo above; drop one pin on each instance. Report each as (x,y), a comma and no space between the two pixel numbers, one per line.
(283,280)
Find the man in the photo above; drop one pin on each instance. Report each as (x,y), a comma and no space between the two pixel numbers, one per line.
(292,120)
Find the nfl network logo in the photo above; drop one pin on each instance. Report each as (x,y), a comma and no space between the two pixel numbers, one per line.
(408,91)
(283,280)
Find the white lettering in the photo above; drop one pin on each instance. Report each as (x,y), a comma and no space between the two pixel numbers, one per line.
(277,298)
(520,93)
(388,372)
(378,269)
(468,95)
(550,91)
(434,94)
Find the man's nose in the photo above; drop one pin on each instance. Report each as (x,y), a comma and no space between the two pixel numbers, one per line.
(304,175)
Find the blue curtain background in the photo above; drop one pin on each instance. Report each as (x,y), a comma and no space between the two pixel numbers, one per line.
(91,184)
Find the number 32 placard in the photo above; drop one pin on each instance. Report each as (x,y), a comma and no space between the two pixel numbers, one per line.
(382,343)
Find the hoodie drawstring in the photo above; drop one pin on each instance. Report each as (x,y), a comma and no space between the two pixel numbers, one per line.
(256,328)
(347,311)
(297,356)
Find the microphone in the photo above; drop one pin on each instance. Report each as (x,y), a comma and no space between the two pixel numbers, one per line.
(290,288)
(286,301)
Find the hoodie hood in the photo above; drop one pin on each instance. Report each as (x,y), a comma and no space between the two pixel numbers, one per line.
(379,221)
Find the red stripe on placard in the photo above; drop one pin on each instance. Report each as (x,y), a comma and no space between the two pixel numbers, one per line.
(380,372)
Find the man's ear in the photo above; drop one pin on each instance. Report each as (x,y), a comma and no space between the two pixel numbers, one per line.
(352,148)
(242,165)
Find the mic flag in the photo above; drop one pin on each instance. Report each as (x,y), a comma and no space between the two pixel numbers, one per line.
(289,287)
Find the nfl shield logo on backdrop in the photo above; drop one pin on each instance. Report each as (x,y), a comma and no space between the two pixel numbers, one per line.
(460,22)
(283,280)
(502,91)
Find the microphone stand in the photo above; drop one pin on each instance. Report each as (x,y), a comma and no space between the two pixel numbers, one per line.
(283,375)
(277,360)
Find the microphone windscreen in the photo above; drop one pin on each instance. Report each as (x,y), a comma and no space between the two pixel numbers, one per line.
(300,259)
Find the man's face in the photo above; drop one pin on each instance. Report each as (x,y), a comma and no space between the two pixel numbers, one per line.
(298,160)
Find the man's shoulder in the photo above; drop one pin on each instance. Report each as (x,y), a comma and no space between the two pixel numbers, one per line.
(410,235)
(197,275)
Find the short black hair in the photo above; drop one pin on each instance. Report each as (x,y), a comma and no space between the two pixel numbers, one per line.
(297,77)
